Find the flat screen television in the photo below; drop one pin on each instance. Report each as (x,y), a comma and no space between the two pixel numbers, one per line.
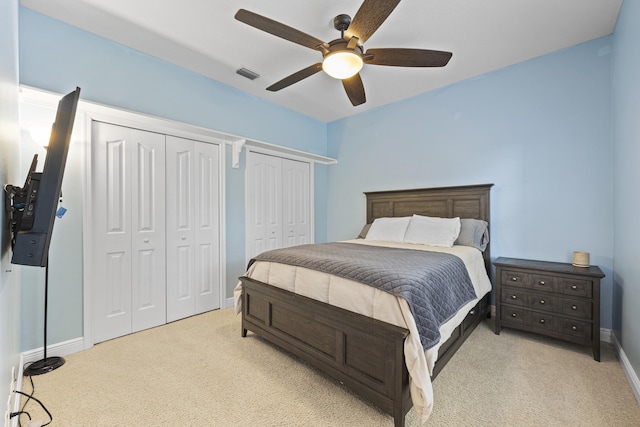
(33,207)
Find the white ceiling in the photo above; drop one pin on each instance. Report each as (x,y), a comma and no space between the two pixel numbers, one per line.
(203,36)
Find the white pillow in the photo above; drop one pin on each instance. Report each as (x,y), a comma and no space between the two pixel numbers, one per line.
(389,229)
(432,231)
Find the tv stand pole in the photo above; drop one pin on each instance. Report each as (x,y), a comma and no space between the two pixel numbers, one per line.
(46,364)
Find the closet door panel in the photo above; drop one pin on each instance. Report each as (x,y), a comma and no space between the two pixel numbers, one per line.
(180,228)
(112,228)
(125,195)
(148,225)
(193,227)
(207,221)
(264,209)
(118,284)
(296,215)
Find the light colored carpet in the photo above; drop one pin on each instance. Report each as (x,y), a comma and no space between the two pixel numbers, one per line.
(200,372)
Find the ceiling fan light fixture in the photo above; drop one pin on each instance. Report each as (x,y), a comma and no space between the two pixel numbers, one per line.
(342,64)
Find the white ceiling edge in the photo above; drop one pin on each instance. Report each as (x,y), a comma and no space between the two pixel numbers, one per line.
(484,36)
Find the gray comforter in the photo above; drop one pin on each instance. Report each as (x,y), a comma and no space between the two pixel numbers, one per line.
(436,285)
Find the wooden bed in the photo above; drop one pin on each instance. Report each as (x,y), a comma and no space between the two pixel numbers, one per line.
(360,352)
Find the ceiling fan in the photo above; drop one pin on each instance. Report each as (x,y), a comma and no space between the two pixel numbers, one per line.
(343,58)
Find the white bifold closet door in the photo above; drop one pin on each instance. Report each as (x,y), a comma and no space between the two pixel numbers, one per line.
(155,220)
(278,203)
(128,216)
(192,228)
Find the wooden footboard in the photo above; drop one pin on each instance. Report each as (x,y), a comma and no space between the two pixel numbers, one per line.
(365,354)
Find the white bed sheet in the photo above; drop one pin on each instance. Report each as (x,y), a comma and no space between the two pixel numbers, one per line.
(372,302)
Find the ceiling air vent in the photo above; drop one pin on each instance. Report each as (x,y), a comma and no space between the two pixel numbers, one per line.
(244,72)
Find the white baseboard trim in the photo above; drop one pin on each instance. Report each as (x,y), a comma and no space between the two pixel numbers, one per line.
(228,303)
(632,377)
(60,349)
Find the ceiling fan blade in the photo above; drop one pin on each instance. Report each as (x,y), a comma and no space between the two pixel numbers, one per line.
(355,90)
(408,57)
(296,77)
(369,17)
(278,29)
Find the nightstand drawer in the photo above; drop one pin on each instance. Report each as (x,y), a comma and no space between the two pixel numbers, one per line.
(541,282)
(576,287)
(512,314)
(576,308)
(576,328)
(543,302)
(544,321)
(512,278)
(513,296)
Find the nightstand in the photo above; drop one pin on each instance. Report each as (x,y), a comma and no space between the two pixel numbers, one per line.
(554,299)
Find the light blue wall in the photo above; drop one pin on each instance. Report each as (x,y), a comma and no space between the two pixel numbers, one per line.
(539,130)
(58,57)
(9,153)
(626,176)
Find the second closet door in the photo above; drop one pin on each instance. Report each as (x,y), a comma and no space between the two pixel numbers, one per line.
(278,203)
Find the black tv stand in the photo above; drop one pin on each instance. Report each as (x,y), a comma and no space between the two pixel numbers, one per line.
(46,364)
(43,366)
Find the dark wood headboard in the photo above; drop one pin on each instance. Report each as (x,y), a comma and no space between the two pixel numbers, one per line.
(469,201)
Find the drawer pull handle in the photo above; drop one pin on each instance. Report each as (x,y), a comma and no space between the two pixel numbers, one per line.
(574,287)
(574,328)
(514,315)
(542,283)
(514,297)
(574,307)
(472,312)
(514,279)
(541,320)
(541,301)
